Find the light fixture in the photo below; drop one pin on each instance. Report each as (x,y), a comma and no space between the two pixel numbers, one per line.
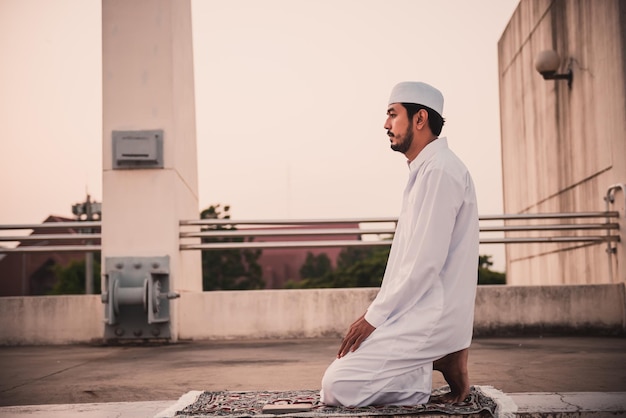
(548,62)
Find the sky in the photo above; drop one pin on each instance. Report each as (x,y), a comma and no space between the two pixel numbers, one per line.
(291,97)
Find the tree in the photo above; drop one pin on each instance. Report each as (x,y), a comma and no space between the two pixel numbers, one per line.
(365,267)
(71,277)
(361,266)
(356,267)
(236,269)
(486,275)
(315,266)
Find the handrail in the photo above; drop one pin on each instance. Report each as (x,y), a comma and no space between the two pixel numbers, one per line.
(221,233)
(553,215)
(53,249)
(284,232)
(286,221)
(54,225)
(50,237)
(557,227)
(294,228)
(77,231)
(504,217)
(272,228)
(355,243)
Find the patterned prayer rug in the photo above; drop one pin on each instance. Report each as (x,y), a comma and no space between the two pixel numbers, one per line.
(306,403)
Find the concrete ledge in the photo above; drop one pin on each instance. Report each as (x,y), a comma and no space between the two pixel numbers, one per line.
(63,319)
(515,310)
(500,310)
(271,313)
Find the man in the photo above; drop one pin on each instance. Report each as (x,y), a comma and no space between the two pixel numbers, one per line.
(422,317)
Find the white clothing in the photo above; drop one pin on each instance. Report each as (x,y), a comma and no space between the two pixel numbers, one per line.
(425,307)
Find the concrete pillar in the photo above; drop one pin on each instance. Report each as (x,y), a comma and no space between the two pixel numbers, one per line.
(148,84)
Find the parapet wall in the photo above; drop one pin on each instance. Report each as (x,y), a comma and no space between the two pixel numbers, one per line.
(561,309)
(500,311)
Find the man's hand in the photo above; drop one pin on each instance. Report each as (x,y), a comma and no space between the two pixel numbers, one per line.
(358,332)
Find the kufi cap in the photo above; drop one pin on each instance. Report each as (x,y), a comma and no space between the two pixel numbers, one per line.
(418,93)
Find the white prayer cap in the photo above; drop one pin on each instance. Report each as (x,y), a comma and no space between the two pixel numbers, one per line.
(418,93)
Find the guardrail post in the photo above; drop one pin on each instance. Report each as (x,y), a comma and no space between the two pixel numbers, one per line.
(616,200)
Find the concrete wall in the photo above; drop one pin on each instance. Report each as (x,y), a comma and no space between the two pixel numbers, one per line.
(563,147)
(500,310)
(504,310)
(51,319)
(272,313)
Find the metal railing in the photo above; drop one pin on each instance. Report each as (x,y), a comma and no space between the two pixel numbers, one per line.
(599,227)
(209,228)
(84,236)
(78,236)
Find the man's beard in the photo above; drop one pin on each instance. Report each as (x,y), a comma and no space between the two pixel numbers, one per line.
(403,146)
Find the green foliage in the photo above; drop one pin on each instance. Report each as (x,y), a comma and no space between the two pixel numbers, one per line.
(71,277)
(316,266)
(486,275)
(356,267)
(365,267)
(234,269)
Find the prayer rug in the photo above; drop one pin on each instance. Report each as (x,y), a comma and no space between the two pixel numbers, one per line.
(306,404)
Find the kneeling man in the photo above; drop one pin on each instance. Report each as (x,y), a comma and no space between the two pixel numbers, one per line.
(422,317)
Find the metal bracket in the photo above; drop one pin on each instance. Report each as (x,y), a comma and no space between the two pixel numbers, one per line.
(609,198)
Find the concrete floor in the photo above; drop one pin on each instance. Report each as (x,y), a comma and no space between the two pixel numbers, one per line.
(36,375)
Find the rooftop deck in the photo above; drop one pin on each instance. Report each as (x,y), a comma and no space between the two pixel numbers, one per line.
(61,379)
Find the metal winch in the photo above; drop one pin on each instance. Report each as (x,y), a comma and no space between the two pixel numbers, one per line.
(136,297)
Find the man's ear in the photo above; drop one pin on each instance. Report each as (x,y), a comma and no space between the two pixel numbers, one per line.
(420,118)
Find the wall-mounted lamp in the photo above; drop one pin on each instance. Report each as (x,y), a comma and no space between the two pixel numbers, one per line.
(547,63)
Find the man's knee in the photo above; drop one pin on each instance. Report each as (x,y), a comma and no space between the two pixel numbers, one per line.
(330,387)
(339,391)
(327,394)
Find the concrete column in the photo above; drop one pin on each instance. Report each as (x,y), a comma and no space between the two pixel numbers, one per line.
(148,84)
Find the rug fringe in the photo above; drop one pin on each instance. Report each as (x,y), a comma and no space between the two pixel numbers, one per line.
(184,401)
(506,407)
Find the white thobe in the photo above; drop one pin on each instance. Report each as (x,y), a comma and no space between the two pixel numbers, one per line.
(425,307)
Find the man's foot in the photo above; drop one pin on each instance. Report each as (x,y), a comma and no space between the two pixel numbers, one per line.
(454,370)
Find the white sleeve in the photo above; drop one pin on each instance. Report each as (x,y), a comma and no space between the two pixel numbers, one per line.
(436,204)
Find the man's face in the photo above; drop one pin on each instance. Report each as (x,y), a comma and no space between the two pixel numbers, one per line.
(399,128)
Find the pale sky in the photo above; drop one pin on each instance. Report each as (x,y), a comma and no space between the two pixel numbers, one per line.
(291,98)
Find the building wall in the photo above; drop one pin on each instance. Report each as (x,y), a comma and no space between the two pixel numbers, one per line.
(562,147)
(283,265)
